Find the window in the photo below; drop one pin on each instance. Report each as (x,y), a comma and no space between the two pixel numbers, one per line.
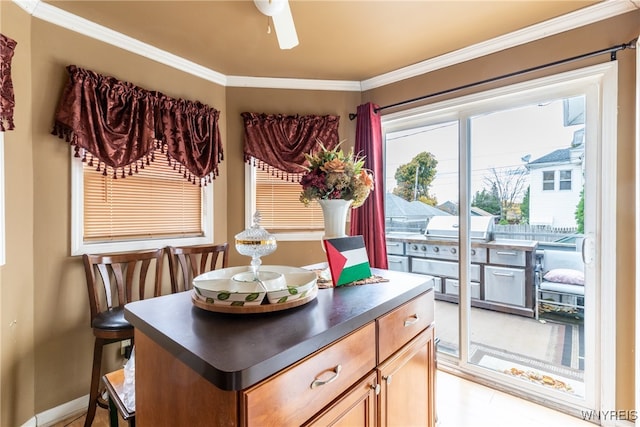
(280,208)
(153,208)
(548,180)
(565,180)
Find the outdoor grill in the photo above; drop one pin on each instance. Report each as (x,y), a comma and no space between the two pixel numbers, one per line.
(447,228)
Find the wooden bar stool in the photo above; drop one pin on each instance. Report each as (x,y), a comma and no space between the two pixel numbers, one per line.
(112,281)
(187,262)
(114,381)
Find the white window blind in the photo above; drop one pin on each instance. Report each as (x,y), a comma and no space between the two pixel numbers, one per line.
(155,203)
(280,207)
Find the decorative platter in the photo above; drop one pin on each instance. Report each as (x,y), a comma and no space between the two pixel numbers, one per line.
(249,309)
(235,290)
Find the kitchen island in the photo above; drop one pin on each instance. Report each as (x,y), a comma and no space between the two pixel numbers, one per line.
(331,359)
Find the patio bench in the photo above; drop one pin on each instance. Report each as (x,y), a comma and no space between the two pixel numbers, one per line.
(560,280)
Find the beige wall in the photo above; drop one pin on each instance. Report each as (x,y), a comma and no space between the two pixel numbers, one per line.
(62,337)
(573,43)
(240,100)
(45,355)
(17,288)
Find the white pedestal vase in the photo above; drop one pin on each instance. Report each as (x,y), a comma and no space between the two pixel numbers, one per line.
(335,213)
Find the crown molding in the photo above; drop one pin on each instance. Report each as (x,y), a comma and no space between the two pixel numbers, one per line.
(61,18)
(591,14)
(286,83)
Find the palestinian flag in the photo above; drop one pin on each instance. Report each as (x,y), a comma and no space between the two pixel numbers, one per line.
(348,259)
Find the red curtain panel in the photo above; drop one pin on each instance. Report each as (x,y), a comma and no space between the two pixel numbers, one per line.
(368,220)
(7,97)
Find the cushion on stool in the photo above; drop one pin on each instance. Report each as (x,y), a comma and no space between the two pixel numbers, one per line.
(111,319)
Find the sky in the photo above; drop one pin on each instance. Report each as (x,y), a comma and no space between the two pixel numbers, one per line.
(499,140)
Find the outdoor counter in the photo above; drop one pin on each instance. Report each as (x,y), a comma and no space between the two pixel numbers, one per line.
(512,244)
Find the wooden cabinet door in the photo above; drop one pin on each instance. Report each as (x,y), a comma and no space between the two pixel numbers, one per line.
(407,385)
(355,408)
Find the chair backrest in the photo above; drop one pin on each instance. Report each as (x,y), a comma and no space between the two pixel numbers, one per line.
(116,279)
(187,262)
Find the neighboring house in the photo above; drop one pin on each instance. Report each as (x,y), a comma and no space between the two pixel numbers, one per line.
(476,211)
(556,180)
(404,216)
(449,206)
(452,208)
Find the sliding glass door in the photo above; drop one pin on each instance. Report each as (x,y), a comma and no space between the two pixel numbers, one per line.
(528,171)
(423,185)
(501,197)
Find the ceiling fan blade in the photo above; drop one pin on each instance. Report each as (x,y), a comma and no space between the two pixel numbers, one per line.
(285,28)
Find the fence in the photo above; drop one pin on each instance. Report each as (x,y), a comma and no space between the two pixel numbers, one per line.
(541,233)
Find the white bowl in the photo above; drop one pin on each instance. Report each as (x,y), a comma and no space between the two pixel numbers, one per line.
(231,285)
(229,292)
(270,279)
(298,285)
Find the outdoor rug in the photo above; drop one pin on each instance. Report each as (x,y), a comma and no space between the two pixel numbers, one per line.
(558,376)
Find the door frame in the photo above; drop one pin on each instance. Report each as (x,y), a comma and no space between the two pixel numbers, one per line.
(603,78)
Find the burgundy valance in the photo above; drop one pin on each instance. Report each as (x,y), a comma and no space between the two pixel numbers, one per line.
(120,126)
(7,97)
(279,142)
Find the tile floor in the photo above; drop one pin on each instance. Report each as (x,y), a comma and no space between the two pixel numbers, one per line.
(462,403)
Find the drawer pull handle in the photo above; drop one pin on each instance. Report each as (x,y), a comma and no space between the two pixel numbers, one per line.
(503,274)
(336,373)
(376,388)
(506,253)
(412,320)
(387,379)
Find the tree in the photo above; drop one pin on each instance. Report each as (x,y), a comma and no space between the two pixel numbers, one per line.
(414,178)
(487,201)
(509,184)
(524,207)
(579,215)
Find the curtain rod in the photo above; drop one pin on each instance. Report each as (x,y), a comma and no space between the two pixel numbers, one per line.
(612,50)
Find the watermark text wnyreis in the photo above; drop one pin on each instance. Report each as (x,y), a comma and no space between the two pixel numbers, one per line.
(619,415)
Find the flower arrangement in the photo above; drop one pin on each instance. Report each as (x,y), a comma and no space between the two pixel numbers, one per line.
(332,174)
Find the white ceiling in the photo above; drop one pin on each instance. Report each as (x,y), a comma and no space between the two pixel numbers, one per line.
(342,40)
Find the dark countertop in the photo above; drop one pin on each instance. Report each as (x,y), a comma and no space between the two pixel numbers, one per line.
(524,245)
(236,351)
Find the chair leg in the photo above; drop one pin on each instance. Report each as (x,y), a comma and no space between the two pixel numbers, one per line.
(95,381)
(113,414)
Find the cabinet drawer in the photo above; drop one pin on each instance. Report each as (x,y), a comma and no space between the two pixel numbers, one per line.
(398,263)
(395,248)
(399,326)
(294,395)
(508,257)
(442,268)
(452,287)
(505,285)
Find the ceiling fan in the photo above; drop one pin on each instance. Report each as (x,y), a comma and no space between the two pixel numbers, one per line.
(280,12)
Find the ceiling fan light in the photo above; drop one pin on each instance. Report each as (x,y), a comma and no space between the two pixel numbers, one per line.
(270,7)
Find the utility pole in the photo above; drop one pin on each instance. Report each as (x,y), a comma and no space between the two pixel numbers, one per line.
(415,186)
